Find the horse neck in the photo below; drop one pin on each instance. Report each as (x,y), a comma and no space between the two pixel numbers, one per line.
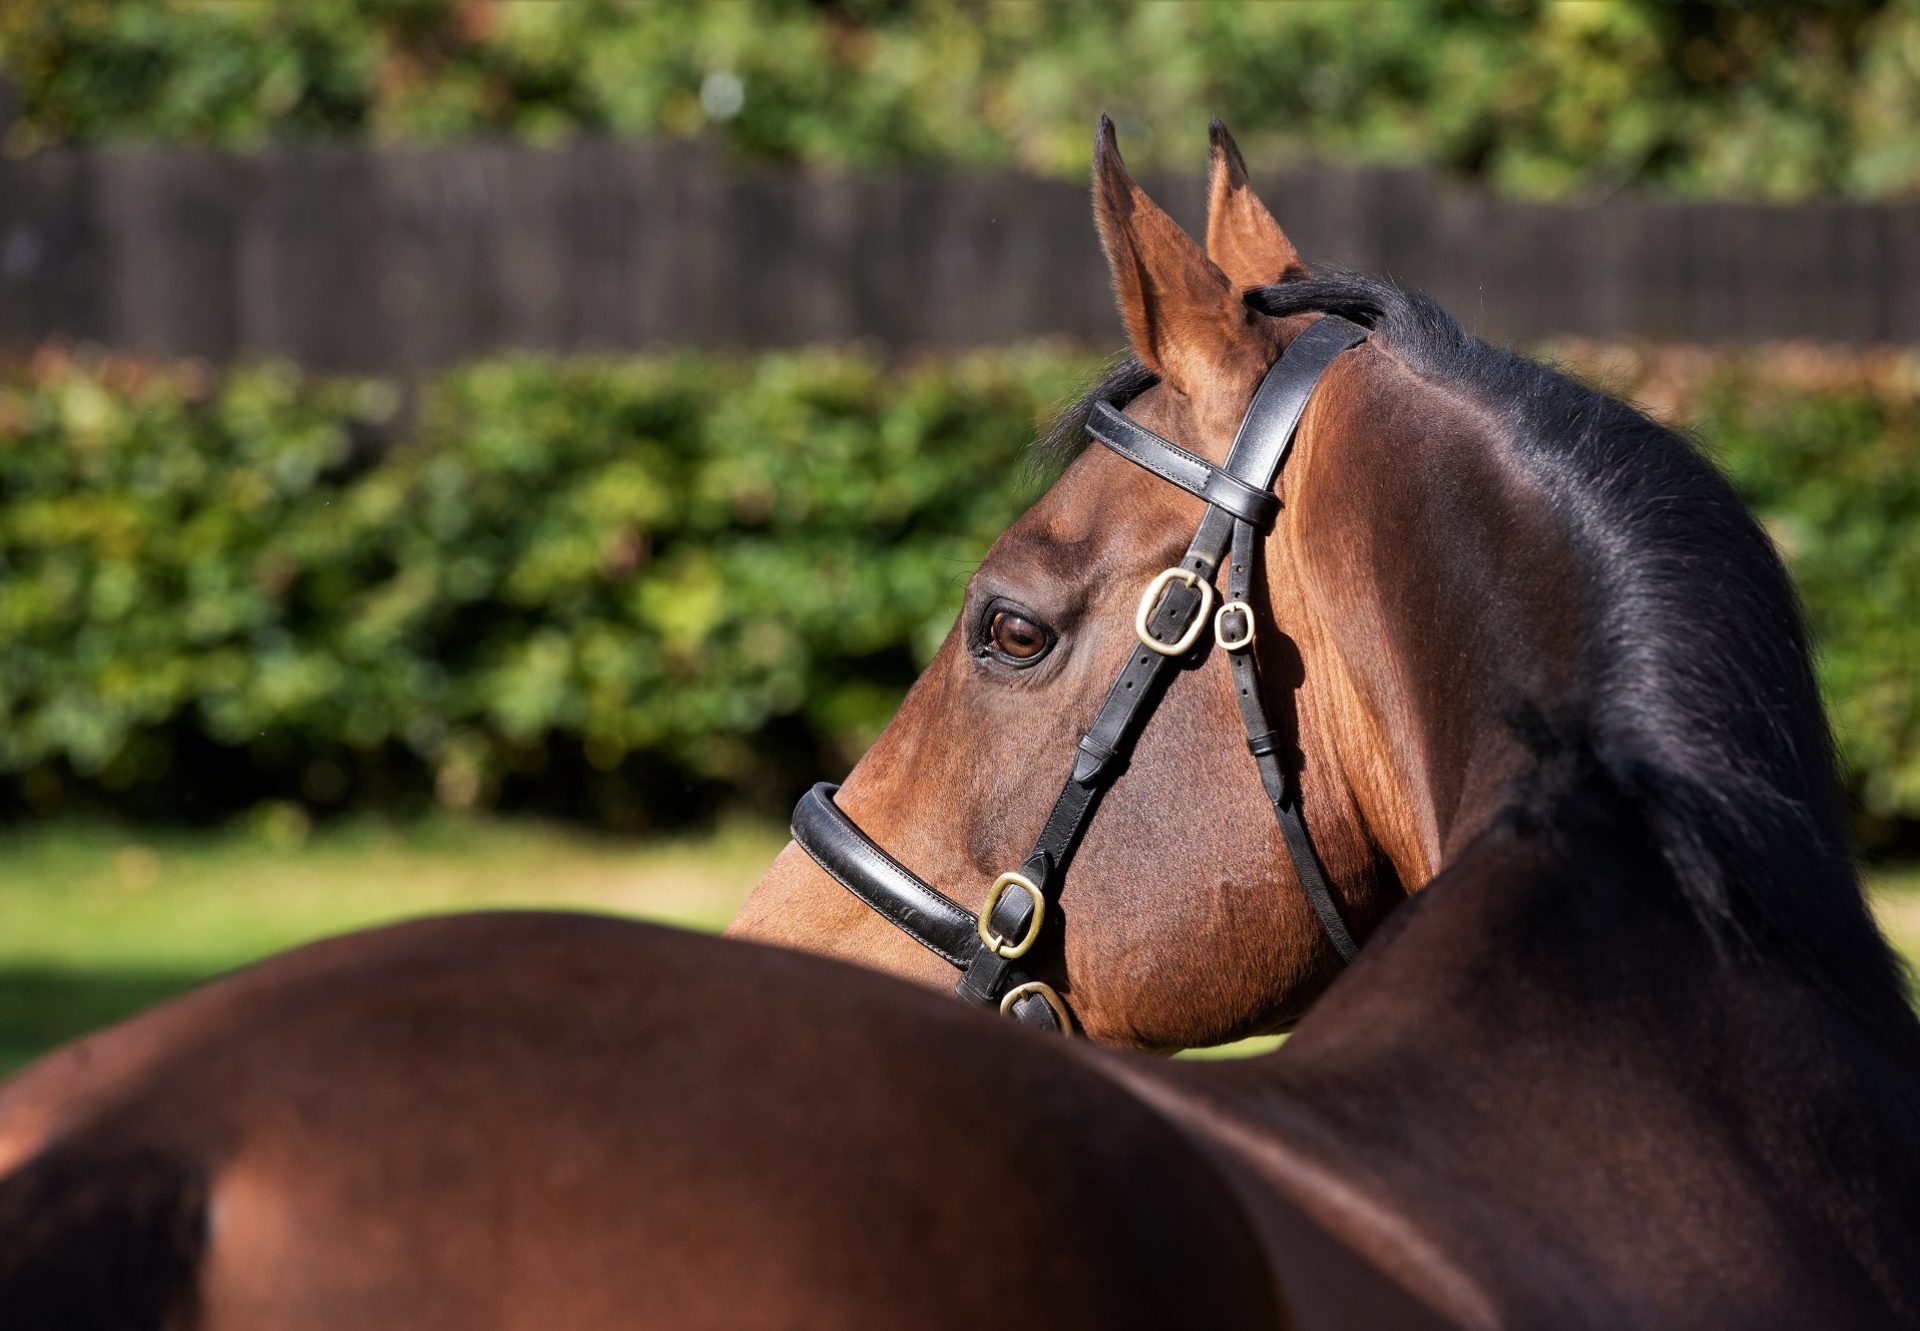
(1431,595)
(1477,640)
(1545,1044)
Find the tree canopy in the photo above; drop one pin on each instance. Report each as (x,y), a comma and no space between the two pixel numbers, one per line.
(1548,100)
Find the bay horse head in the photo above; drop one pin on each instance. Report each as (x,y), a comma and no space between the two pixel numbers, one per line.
(1191,913)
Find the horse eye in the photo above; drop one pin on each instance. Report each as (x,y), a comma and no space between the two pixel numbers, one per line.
(1018,638)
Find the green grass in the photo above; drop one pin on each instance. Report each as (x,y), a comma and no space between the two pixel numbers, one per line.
(96,923)
(1896,900)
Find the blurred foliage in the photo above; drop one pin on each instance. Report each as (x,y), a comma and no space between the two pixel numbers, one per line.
(625,588)
(607,586)
(1535,98)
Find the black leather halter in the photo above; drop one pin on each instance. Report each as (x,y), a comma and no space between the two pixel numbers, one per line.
(1172,618)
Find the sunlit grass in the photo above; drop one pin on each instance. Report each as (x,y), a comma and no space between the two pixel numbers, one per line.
(1896,900)
(99,922)
(96,923)
(91,897)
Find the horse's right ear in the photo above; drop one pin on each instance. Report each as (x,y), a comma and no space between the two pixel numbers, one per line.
(1180,310)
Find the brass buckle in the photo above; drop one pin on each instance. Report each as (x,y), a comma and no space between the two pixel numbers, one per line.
(1004,947)
(1053,1000)
(1220,634)
(1151,600)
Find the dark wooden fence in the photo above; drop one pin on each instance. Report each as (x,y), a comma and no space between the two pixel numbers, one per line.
(399,261)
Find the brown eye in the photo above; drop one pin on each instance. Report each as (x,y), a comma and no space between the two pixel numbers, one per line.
(1017,638)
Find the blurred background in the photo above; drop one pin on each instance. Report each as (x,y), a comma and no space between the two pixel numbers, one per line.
(456,453)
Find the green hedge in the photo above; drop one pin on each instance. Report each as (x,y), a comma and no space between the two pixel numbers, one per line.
(1533,97)
(609,581)
(1832,464)
(622,586)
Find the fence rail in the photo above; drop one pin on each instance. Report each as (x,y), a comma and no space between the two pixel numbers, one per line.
(403,260)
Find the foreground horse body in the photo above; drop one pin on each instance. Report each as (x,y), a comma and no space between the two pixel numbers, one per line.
(1634,1056)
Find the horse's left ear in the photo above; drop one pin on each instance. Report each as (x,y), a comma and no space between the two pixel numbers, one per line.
(1183,315)
(1243,240)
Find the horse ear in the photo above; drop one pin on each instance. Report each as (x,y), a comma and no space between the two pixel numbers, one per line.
(1180,310)
(1242,237)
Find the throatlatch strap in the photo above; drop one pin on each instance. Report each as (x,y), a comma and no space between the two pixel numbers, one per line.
(1262,743)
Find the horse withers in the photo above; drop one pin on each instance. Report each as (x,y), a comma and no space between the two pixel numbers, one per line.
(1633,1055)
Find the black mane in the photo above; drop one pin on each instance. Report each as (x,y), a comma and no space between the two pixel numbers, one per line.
(1697,697)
